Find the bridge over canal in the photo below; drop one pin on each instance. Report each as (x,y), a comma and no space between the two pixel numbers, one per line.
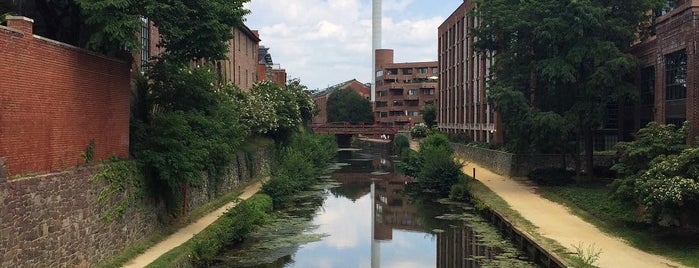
(344,131)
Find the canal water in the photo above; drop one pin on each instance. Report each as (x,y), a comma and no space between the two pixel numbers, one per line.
(361,215)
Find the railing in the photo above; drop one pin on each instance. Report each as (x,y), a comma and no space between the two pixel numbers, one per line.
(360,128)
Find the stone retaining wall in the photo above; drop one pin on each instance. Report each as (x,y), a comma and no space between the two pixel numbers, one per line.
(514,165)
(245,168)
(54,220)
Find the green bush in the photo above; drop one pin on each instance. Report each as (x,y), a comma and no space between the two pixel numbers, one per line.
(438,170)
(298,165)
(552,176)
(402,144)
(231,228)
(460,192)
(460,137)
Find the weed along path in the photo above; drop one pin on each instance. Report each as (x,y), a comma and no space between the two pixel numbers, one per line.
(186,233)
(556,222)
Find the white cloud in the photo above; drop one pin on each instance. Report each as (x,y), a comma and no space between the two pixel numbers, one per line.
(325,42)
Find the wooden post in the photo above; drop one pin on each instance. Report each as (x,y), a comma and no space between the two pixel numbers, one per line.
(474,173)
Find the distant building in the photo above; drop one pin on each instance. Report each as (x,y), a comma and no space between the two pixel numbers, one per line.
(463,105)
(267,70)
(403,89)
(321,98)
(241,66)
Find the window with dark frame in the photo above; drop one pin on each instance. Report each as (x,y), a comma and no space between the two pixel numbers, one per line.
(676,75)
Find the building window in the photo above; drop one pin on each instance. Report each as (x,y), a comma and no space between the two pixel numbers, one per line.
(392,71)
(412,92)
(676,75)
(145,43)
(428,91)
(397,113)
(413,113)
(422,70)
(397,103)
(384,114)
(435,70)
(379,73)
(408,71)
(648,86)
(381,104)
(382,93)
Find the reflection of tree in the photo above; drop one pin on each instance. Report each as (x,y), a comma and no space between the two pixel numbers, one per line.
(352,190)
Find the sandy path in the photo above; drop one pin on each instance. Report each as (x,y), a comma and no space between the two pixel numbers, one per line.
(556,222)
(186,233)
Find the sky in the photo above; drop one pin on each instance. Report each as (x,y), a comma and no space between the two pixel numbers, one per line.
(326,42)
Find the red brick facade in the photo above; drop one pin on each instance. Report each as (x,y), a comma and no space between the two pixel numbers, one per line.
(463,105)
(55,99)
(676,32)
(242,65)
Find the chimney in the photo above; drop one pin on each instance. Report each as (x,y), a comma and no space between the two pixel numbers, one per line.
(23,24)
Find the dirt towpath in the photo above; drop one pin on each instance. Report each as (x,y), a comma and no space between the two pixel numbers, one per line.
(556,222)
(186,233)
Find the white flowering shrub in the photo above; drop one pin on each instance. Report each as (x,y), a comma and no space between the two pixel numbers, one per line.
(670,187)
(419,130)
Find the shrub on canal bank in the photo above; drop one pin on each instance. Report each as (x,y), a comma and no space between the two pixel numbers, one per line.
(231,228)
(298,164)
(434,165)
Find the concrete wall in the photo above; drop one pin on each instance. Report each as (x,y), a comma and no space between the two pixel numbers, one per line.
(54,220)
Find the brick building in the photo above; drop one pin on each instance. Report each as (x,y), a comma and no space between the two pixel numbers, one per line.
(403,89)
(668,78)
(463,105)
(241,66)
(267,70)
(321,98)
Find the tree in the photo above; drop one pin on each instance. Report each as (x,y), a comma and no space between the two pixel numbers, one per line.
(346,105)
(564,57)
(190,30)
(429,115)
(307,106)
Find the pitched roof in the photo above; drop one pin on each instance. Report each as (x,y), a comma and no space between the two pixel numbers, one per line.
(332,89)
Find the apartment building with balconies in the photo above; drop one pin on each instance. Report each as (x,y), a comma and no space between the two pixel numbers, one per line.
(403,89)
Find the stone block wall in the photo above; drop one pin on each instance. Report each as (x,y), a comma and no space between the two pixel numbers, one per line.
(246,167)
(54,220)
(514,165)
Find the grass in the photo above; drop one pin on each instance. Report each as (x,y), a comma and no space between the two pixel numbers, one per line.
(592,202)
(150,241)
(483,197)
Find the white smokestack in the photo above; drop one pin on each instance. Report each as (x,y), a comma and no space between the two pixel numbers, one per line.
(375,43)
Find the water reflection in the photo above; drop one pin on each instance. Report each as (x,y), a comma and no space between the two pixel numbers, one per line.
(367,221)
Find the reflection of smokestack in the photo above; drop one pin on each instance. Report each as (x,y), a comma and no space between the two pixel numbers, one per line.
(375,246)
(375,42)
